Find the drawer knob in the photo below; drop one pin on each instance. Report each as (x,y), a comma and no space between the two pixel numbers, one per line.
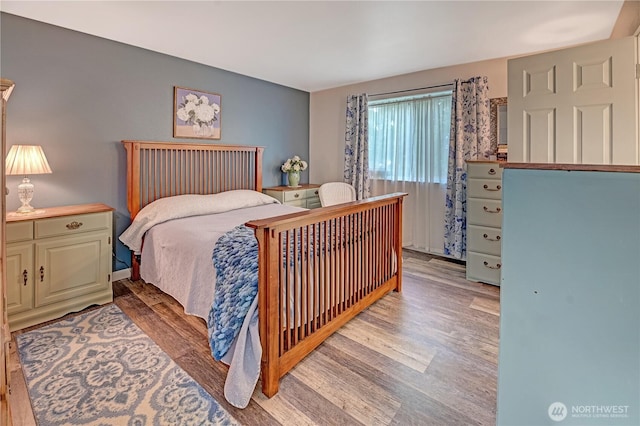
(486,237)
(74,225)
(488,210)
(25,276)
(498,266)
(497,188)
(296,195)
(316,192)
(492,171)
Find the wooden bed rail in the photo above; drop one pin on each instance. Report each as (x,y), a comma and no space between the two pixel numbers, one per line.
(317,270)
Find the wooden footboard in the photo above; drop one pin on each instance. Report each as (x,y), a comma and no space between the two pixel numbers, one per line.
(317,270)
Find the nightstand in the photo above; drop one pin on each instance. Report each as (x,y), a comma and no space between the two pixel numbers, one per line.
(58,261)
(305,195)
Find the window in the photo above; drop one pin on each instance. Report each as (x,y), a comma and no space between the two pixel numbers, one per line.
(409,138)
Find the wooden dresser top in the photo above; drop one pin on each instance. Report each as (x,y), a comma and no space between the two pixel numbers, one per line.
(573,167)
(43,213)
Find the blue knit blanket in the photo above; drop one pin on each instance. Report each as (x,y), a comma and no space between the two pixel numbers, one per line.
(235,259)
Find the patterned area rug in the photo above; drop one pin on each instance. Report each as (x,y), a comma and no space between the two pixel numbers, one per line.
(99,368)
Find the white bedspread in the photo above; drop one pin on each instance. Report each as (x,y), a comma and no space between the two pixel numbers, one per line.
(177,254)
(177,258)
(180,206)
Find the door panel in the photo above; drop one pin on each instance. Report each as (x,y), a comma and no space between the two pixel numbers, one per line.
(539,136)
(593,134)
(575,105)
(71,266)
(19,284)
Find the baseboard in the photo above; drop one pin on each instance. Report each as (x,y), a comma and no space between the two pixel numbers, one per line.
(121,274)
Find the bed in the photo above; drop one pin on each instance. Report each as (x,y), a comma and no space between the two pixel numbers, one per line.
(316,269)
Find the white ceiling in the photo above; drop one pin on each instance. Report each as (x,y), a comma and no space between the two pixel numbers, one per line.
(319,45)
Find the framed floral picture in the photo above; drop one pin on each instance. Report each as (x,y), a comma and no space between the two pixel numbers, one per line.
(196,114)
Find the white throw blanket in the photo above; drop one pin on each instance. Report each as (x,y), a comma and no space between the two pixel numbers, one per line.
(180,206)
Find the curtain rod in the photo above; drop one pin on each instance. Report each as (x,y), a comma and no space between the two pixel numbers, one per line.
(413,90)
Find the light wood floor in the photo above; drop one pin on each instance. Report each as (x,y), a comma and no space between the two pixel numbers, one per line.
(426,356)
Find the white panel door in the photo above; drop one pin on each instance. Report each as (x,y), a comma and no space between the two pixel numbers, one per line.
(576,105)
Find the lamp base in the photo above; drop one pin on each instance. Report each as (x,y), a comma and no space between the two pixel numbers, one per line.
(19,213)
(25,194)
(24,209)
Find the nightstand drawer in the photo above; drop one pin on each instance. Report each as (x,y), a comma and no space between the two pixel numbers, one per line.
(19,231)
(72,224)
(312,193)
(485,188)
(313,203)
(299,194)
(298,203)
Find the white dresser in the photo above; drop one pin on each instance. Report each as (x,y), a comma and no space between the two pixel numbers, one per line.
(57,261)
(306,195)
(484,221)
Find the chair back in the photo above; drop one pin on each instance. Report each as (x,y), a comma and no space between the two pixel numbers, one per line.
(336,193)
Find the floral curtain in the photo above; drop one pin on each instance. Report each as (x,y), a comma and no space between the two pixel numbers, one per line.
(469,141)
(356,151)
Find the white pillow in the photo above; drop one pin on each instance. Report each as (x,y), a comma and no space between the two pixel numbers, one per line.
(180,206)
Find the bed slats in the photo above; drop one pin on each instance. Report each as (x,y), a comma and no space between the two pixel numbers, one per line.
(161,169)
(319,270)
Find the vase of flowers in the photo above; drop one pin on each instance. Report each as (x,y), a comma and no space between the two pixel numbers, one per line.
(292,167)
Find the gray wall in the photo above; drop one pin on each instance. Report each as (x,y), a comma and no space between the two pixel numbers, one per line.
(78,96)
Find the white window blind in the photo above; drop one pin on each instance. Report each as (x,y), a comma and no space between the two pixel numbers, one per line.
(408,152)
(409,138)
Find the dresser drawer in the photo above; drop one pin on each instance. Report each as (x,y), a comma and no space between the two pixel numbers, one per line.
(313,203)
(19,231)
(312,193)
(278,195)
(298,203)
(72,224)
(485,188)
(483,267)
(299,194)
(484,212)
(484,240)
(484,171)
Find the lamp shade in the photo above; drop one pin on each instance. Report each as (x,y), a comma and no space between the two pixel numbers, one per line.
(26,160)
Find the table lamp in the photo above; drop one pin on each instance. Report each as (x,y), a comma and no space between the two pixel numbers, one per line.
(26,160)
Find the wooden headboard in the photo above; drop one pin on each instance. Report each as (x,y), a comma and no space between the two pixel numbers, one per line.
(163,169)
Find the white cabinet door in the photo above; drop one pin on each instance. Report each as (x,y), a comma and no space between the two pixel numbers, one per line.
(576,105)
(71,266)
(20,279)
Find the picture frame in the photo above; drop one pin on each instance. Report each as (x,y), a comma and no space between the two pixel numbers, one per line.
(196,114)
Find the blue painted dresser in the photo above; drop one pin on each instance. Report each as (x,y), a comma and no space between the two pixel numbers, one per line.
(570,295)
